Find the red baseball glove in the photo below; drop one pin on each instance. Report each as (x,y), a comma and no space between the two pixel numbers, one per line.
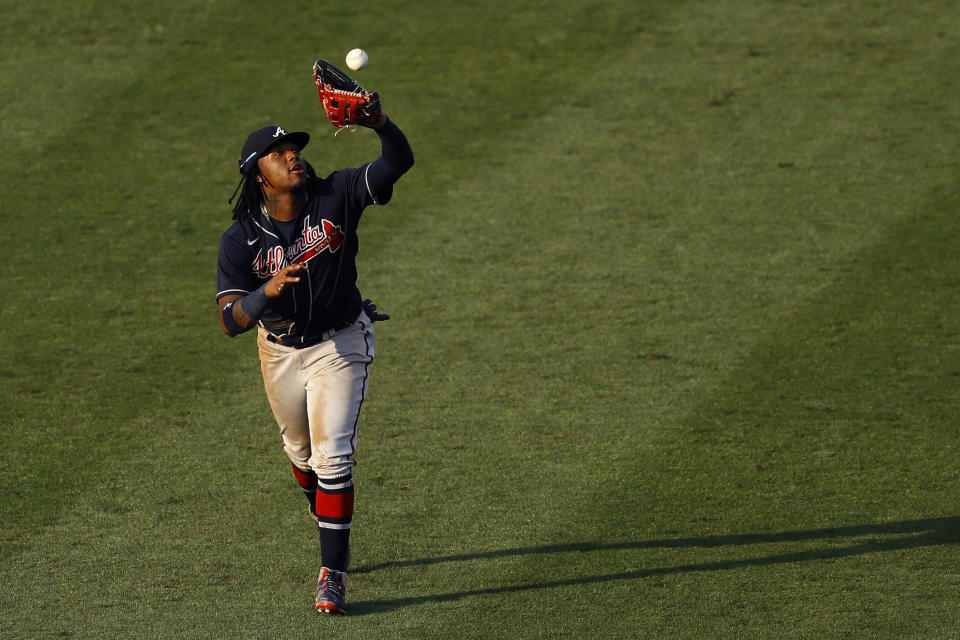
(345,101)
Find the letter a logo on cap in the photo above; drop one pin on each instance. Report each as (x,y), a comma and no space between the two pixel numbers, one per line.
(280,132)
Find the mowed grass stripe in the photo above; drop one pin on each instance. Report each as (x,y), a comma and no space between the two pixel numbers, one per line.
(770,447)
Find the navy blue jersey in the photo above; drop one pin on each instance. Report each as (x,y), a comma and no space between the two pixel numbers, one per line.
(324,237)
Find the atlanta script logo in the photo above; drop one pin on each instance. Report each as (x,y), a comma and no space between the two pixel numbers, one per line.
(312,241)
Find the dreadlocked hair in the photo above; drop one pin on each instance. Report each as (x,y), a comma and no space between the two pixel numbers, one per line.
(250,199)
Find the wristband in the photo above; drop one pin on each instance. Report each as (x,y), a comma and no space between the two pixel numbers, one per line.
(254,304)
(226,315)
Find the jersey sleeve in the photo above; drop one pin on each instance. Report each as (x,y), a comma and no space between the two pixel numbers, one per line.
(234,274)
(352,185)
(359,195)
(396,158)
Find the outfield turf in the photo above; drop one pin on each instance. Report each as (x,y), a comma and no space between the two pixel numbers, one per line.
(674,348)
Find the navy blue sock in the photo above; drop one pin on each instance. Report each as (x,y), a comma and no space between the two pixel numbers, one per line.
(334,548)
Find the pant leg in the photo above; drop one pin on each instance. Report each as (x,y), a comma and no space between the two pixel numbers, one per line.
(338,373)
(285,384)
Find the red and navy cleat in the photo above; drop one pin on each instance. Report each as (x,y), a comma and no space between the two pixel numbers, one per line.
(332,592)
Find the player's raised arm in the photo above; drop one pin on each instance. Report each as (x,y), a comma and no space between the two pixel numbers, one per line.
(396,158)
(346,103)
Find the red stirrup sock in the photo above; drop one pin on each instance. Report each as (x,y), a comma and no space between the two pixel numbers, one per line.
(334,509)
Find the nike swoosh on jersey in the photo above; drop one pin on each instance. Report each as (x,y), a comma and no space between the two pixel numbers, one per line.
(250,242)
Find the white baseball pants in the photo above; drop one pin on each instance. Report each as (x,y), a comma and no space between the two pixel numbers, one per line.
(316,394)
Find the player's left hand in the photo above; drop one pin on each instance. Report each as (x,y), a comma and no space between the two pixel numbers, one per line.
(371,310)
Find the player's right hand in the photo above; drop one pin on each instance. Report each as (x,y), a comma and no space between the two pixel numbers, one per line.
(278,283)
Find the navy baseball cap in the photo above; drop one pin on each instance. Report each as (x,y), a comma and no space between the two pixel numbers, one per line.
(264,138)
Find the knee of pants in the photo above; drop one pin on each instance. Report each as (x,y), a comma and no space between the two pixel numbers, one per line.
(331,467)
(299,454)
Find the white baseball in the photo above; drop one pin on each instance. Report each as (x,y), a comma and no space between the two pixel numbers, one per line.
(357,59)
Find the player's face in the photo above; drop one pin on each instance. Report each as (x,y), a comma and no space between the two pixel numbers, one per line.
(283,167)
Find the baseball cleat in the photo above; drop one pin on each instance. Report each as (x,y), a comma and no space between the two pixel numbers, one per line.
(332,592)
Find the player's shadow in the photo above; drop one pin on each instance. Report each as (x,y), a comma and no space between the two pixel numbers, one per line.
(891,536)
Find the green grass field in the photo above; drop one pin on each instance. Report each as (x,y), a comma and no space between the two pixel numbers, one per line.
(674,348)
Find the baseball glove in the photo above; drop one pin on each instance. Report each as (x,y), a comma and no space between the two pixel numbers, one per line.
(345,102)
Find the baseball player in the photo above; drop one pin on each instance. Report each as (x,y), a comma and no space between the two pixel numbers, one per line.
(287,266)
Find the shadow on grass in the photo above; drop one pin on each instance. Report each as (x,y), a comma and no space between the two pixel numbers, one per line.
(910,534)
